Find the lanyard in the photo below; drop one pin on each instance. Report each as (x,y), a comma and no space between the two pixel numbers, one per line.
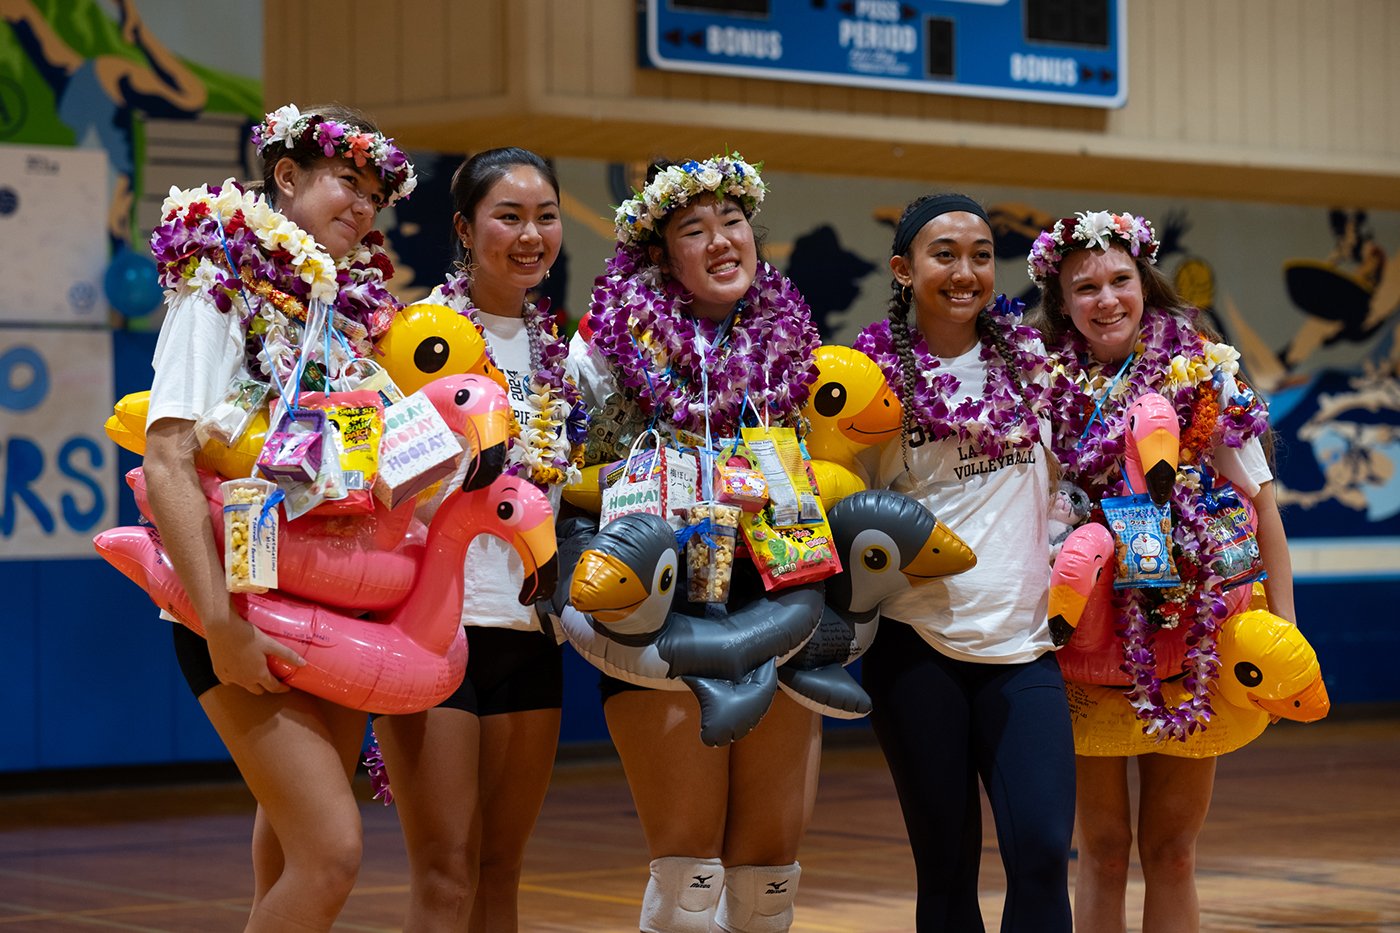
(1098,404)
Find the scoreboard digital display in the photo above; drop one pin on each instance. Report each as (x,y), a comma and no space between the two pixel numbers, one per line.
(1048,51)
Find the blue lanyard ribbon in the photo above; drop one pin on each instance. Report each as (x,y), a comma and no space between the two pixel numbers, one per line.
(1098,405)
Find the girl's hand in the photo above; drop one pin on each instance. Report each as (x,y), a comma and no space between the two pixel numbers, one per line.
(240,653)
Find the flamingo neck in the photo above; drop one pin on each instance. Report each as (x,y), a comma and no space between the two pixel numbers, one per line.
(433,610)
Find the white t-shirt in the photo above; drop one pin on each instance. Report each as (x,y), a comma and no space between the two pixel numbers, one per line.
(199,351)
(997,611)
(492,572)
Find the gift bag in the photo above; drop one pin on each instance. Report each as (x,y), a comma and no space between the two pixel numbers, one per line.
(416,450)
(659,481)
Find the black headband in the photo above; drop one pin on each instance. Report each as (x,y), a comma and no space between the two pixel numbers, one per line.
(914,221)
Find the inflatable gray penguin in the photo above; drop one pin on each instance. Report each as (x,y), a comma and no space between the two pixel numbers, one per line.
(621,613)
(887,542)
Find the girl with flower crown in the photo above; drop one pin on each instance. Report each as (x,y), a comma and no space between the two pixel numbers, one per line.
(240,267)
(686,302)
(967,686)
(1118,329)
(469,777)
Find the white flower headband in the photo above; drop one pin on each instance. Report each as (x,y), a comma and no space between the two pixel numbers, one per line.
(675,186)
(1089,230)
(293,129)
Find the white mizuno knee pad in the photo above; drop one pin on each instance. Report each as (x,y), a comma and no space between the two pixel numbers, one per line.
(758,898)
(681,895)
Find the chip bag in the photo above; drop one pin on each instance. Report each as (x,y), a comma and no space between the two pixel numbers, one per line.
(799,549)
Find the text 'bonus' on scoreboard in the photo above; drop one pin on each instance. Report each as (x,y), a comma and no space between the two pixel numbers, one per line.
(1048,51)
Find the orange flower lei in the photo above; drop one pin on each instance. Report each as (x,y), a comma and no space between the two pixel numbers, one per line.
(1197,437)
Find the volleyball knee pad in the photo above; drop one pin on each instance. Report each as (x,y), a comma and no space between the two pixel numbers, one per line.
(681,895)
(758,898)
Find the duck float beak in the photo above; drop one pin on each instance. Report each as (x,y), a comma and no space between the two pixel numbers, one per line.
(1307,705)
(877,421)
(602,576)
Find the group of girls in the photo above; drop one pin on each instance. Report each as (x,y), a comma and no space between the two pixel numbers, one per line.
(963,679)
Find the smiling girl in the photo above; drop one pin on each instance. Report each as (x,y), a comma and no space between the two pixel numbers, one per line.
(684,300)
(961,677)
(469,777)
(326,174)
(1117,327)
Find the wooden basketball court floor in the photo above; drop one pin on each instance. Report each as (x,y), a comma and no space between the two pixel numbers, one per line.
(1304,834)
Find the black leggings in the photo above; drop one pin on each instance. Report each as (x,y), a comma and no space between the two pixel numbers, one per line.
(943,723)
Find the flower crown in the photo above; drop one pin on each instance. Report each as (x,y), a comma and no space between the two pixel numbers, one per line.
(675,186)
(292,128)
(1089,230)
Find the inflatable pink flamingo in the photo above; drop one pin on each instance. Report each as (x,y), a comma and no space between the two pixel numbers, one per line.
(411,656)
(369,562)
(1081,583)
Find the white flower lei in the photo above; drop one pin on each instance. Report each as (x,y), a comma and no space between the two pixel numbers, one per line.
(676,185)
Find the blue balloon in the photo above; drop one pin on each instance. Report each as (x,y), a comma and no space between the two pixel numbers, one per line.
(131,283)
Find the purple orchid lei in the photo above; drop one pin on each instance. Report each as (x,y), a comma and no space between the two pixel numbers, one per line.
(202,228)
(995,421)
(1175,361)
(559,423)
(643,329)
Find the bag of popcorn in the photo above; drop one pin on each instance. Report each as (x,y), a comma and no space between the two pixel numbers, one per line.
(711,537)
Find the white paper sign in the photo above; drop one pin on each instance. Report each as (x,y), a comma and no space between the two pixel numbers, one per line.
(53,222)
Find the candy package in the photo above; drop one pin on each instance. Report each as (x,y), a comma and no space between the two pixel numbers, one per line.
(792,553)
(737,483)
(357,418)
(1142,537)
(1231,522)
(292,450)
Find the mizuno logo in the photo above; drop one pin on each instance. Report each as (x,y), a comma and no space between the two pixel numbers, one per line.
(701,881)
(776,887)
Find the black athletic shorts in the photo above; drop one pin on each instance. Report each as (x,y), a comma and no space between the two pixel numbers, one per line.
(508,670)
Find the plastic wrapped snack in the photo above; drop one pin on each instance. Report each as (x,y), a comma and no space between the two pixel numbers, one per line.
(709,551)
(250,535)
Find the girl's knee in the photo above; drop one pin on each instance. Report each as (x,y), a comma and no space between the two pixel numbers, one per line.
(1172,859)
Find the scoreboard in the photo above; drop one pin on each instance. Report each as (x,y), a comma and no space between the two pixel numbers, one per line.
(1048,51)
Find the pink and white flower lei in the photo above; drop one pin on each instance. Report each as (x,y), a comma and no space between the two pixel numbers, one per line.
(294,129)
(655,346)
(995,421)
(1173,360)
(558,423)
(1089,230)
